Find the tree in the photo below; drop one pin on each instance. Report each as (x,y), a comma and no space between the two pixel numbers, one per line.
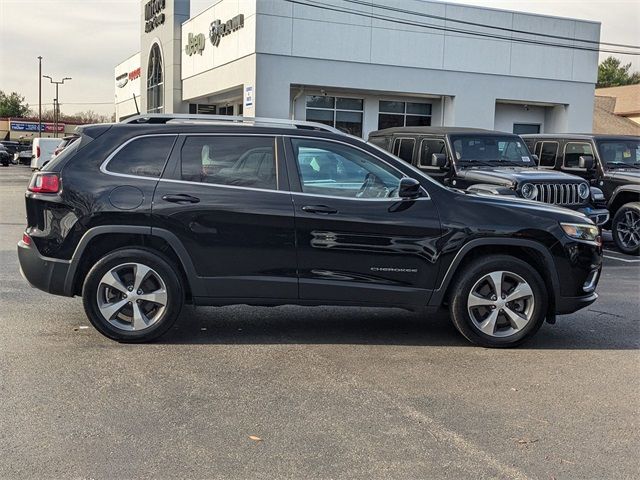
(13,105)
(612,74)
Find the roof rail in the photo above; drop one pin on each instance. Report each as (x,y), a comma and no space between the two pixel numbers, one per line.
(160,118)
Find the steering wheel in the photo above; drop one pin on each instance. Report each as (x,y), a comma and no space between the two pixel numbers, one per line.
(372,187)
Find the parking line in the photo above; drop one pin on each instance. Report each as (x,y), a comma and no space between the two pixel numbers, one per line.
(621,259)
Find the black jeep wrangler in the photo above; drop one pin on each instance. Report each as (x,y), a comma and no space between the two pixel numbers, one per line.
(143,216)
(489,162)
(613,166)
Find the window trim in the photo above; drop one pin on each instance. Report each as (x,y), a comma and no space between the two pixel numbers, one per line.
(288,138)
(105,163)
(401,138)
(430,167)
(404,114)
(556,157)
(335,108)
(564,154)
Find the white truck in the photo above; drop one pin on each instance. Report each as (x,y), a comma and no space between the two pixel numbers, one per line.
(42,150)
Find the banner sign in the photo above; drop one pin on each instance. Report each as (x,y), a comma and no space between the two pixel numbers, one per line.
(33,127)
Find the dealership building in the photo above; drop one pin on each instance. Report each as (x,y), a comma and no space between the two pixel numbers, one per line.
(362,66)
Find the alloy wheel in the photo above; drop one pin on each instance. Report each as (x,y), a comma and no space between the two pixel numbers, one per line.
(132,297)
(501,304)
(628,229)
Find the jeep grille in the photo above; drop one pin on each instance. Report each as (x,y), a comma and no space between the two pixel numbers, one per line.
(559,193)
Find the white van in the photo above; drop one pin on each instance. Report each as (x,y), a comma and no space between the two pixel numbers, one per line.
(42,150)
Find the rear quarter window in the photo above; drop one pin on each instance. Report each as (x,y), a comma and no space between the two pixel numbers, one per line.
(142,157)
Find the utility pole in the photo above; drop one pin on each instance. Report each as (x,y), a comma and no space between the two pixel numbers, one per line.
(39,96)
(56,101)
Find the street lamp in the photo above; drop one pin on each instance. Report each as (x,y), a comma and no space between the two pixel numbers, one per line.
(56,104)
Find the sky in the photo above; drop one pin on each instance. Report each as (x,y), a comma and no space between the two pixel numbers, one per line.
(86,39)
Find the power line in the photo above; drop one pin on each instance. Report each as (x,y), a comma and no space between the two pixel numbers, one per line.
(455,30)
(494,27)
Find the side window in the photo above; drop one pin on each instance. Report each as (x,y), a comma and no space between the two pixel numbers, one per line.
(403,148)
(573,151)
(427,148)
(143,157)
(238,161)
(548,153)
(328,168)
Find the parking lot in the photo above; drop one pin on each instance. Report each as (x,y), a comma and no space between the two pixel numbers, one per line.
(292,392)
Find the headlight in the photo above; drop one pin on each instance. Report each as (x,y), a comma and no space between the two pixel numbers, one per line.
(529,191)
(581,231)
(583,190)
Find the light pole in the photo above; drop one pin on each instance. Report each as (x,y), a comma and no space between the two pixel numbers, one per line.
(39,96)
(56,104)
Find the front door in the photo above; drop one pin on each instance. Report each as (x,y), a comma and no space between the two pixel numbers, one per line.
(227,200)
(358,242)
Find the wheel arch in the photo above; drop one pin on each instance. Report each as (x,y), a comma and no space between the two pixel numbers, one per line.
(622,195)
(530,251)
(100,240)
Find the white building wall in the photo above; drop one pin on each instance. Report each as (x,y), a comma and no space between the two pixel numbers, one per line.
(124,103)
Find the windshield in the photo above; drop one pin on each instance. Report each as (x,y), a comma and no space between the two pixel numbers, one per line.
(484,149)
(620,153)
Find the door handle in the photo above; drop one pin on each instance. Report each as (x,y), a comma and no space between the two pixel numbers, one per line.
(319,209)
(180,198)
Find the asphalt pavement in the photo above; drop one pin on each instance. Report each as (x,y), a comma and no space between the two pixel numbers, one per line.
(306,393)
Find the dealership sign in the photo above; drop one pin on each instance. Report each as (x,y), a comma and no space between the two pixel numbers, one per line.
(153,15)
(124,78)
(195,44)
(33,127)
(217,29)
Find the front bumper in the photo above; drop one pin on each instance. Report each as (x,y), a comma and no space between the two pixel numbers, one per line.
(599,216)
(44,273)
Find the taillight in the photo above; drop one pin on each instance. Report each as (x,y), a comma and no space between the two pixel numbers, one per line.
(44,183)
(26,239)
(37,152)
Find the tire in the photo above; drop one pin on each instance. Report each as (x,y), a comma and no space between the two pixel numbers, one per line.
(625,228)
(513,322)
(122,314)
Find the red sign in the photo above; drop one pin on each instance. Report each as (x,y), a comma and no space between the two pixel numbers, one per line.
(135,74)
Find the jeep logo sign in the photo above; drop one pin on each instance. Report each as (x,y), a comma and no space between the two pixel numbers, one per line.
(195,44)
(153,15)
(217,29)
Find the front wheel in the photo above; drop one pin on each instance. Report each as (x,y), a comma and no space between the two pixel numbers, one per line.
(625,228)
(498,301)
(132,295)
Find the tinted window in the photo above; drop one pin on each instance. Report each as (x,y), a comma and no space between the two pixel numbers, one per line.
(489,148)
(524,128)
(144,156)
(573,151)
(620,152)
(427,148)
(548,153)
(238,161)
(403,148)
(328,168)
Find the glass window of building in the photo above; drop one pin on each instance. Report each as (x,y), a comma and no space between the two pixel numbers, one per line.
(339,112)
(155,81)
(403,114)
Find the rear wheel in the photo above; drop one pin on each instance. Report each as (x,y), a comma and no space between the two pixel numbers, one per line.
(498,301)
(625,228)
(132,295)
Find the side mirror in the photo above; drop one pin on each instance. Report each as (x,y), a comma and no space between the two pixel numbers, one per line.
(535,159)
(438,160)
(409,188)
(586,162)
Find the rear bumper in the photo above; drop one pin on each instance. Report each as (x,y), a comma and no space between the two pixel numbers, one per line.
(44,273)
(566,305)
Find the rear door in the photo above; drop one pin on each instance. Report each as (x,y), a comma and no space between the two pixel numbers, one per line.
(226,198)
(426,148)
(357,241)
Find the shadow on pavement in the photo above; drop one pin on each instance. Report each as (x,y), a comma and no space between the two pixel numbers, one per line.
(368,326)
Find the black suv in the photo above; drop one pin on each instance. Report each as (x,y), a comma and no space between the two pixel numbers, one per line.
(489,162)
(613,166)
(140,217)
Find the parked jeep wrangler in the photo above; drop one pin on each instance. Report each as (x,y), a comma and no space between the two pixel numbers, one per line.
(143,216)
(613,166)
(489,162)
